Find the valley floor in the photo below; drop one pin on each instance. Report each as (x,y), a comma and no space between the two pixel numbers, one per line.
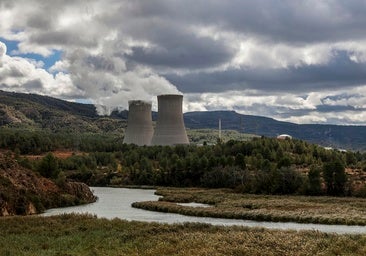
(279,208)
(88,235)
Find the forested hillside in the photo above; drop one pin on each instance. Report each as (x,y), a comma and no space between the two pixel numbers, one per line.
(35,112)
(343,137)
(33,125)
(260,166)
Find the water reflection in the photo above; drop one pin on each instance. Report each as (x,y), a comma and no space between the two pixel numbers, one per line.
(116,203)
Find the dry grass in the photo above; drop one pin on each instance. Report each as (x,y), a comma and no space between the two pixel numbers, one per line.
(87,235)
(226,204)
(57,153)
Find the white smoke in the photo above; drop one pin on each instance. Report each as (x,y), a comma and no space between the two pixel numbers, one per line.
(110,84)
(2,52)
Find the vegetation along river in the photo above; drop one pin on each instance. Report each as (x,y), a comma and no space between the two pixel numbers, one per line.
(116,203)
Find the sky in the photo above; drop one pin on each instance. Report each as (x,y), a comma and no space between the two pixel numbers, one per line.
(301,61)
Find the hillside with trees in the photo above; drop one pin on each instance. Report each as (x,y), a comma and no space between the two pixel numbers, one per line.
(35,112)
(33,126)
(336,136)
(46,114)
(24,192)
(259,166)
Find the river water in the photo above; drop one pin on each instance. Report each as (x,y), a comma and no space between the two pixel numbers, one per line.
(116,203)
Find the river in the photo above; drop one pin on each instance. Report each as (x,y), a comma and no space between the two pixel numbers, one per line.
(116,203)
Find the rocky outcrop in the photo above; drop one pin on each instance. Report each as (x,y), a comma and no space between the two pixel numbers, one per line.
(80,190)
(4,208)
(24,192)
(8,115)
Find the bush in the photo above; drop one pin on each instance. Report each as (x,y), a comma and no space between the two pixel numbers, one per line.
(48,167)
(335,177)
(314,181)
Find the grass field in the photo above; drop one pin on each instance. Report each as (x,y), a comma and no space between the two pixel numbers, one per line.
(226,204)
(87,235)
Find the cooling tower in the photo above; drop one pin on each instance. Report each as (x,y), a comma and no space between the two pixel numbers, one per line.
(139,129)
(170,128)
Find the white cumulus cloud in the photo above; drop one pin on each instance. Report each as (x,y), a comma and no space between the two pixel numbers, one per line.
(301,61)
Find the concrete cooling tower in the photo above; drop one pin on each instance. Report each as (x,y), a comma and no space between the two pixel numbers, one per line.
(170,128)
(139,129)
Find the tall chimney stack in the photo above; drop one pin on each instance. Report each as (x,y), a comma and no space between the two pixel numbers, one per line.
(170,129)
(139,129)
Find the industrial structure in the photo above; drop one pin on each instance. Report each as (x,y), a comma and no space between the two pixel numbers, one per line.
(284,137)
(170,129)
(139,129)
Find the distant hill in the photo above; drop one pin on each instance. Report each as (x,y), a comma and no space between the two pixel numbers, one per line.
(337,136)
(23,100)
(35,111)
(41,112)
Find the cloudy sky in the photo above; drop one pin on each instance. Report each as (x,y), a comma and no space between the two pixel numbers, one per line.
(302,61)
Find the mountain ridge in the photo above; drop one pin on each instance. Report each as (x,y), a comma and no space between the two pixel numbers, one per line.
(337,136)
(44,112)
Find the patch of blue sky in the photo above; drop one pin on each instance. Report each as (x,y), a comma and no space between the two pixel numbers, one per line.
(84,101)
(49,61)
(10,45)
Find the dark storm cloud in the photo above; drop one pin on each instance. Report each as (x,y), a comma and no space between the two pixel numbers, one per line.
(100,63)
(172,44)
(164,24)
(295,21)
(341,72)
(337,108)
(343,97)
(62,37)
(283,58)
(33,85)
(286,20)
(194,53)
(6,4)
(40,22)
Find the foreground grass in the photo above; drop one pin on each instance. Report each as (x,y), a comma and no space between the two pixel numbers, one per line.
(226,204)
(87,235)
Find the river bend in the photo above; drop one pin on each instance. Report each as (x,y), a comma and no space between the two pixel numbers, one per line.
(116,203)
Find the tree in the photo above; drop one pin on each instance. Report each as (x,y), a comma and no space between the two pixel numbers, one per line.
(350,158)
(314,182)
(240,161)
(292,180)
(335,177)
(221,177)
(284,162)
(48,167)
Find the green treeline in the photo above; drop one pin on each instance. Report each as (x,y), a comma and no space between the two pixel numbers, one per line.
(36,142)
(260,165)
(263,166)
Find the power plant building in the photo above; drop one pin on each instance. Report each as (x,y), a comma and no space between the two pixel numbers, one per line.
(170,129)
(139,129)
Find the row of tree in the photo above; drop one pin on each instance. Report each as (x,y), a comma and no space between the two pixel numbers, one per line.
(26,141)
(262,165)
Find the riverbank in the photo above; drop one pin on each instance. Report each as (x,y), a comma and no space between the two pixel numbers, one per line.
(116,203)
(88,235)
(25,192)
(227,204)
